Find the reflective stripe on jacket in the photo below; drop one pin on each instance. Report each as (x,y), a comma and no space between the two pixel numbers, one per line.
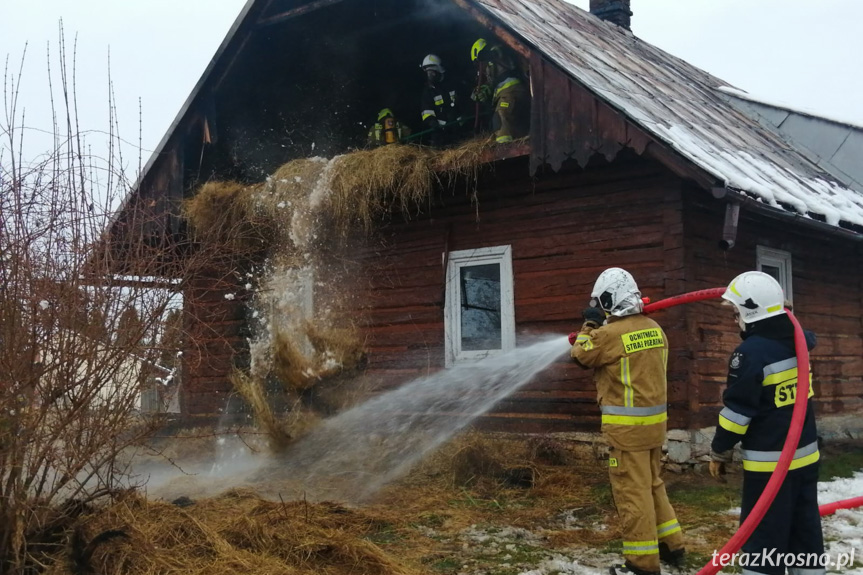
(759,398)
(629,355)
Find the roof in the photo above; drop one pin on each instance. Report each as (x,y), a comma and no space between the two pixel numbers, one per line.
(678,104)
(671,100)
(834,145)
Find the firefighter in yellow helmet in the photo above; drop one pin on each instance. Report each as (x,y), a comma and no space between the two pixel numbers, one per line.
(628,352)
(387,130)
(501,85)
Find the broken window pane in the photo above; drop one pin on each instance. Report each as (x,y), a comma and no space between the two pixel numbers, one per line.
(480,307)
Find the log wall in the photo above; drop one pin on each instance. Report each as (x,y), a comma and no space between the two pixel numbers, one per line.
(827,284)
(564,230)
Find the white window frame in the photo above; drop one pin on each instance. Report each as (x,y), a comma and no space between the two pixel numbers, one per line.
(781,260)
(452,309)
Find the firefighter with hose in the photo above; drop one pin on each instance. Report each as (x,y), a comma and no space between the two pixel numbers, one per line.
(759,400)
(629,353)
(440,104)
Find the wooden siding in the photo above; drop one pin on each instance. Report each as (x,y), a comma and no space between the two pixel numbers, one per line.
(564,230)
(216,330)
(827,286)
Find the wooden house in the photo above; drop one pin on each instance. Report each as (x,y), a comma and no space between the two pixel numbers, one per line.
(635,159)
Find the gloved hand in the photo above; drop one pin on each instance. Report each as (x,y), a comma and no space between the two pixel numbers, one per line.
(572,337)
(594,316)
(717,469)
(481,93)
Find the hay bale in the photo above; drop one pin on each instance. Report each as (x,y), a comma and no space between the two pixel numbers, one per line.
(238,533)
(252,391)
(368,183)
(222,215)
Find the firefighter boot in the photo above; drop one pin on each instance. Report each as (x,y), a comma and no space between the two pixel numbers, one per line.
(676,558)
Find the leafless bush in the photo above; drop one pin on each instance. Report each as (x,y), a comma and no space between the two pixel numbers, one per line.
(81,322)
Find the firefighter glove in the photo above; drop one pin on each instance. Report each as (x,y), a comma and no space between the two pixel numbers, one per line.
(594,316)
(717,469)
(717,463)
(572,337)
(481,93)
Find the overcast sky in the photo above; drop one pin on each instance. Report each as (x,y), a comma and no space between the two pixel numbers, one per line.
(804,53)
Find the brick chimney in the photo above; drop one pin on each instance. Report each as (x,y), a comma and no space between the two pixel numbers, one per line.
(614,11)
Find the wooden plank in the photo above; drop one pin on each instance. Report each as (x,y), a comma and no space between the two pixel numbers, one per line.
(294,12)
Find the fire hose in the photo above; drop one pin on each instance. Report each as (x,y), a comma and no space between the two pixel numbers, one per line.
(797,417)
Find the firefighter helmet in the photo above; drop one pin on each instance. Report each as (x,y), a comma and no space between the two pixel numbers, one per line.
(756,296)
(384,113)
(477,48)
(433,62)
(616,292)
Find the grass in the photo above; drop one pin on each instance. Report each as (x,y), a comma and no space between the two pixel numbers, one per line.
(716,498)
(840,460)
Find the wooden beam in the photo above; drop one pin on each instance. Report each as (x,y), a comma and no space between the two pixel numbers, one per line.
(294,12)
(502,33)
(681,166)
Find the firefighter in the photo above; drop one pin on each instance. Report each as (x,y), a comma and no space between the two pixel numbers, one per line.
(759,400)
(441,106)
(387,130)
(629,352)
(501,84)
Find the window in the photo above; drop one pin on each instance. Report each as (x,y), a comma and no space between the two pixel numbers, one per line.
(777,264)
(479,316)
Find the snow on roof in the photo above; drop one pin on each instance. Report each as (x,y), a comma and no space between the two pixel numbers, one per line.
(677,103)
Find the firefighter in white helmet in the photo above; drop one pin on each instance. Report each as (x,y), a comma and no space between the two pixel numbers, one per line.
(441,105)
(758,403)
(629,353)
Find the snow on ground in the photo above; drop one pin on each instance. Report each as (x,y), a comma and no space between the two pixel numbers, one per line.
(843,531)
(522,549)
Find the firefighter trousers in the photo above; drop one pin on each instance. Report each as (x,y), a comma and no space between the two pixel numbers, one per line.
(646,516)
(792,524)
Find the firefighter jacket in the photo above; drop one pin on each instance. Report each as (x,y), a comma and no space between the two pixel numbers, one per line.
(759,399)
(511,103)
(441,102)
(629,355)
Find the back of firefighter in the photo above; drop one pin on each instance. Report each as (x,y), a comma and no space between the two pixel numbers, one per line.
(759,401)
(629,352)
(504,86)
(387,130)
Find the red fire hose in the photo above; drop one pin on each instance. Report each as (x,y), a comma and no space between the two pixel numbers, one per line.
(831,508)
(798,415)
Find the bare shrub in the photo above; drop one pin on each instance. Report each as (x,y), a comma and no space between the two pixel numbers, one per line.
(83,306)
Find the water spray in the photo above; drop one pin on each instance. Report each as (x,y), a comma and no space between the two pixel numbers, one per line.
(795,429)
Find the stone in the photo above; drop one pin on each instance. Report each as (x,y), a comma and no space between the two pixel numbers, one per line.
(679,435)
(679,451)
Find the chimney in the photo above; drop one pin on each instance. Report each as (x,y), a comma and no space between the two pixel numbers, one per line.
(614,11)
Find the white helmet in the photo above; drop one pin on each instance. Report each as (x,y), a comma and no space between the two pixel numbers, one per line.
(756,296)
(616,292)
(434,63)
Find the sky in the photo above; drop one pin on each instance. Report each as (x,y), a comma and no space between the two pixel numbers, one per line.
(802,53)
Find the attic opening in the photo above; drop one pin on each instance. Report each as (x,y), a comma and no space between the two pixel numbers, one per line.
(309,78)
